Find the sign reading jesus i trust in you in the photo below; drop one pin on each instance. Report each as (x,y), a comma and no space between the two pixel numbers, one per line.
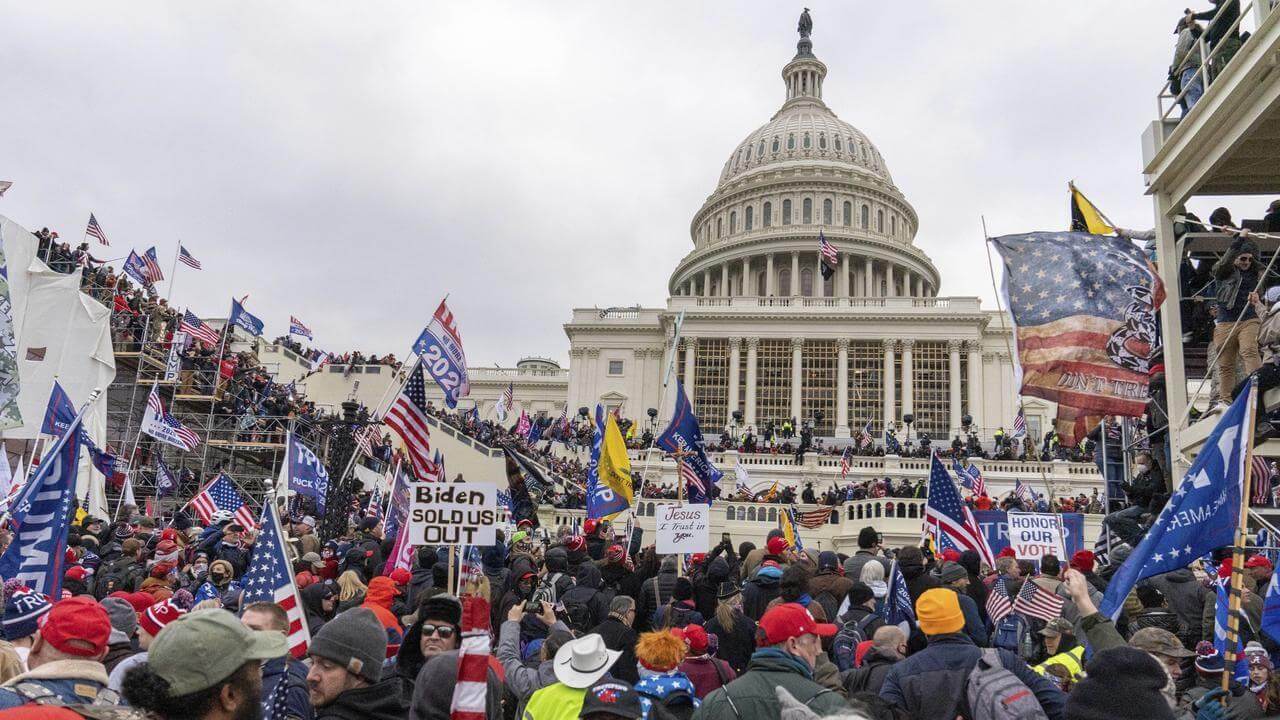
(1034,535)
(682,528)
(461,513)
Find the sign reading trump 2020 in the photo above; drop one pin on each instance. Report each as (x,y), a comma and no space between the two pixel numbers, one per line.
(440,347)
(448,513)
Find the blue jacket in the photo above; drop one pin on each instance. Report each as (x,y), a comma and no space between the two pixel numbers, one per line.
(917,689)
(71,681)
(297,702)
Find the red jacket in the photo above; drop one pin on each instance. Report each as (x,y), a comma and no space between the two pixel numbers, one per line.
(702,673)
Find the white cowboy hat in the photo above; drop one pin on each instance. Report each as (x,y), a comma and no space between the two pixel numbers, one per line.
(580,663)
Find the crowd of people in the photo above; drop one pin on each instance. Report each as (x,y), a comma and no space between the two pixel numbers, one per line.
(584,623)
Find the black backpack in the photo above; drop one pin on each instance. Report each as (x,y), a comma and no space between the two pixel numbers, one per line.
(830,604)
(578,614)
(116,575)
(845,646)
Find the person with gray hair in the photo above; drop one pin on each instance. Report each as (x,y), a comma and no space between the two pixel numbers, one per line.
(619,635)
(872,576)
(888,646)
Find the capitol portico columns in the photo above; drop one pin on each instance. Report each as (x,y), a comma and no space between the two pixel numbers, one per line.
(888,280)
(908,383)
(735,356)
(842,382)
(690,357)
(975,382)
(794,290)
(746,278)
(724,280)
(888,382)
(706,283)
(770,287)
(843,288)
(868,279)
(797,376)
(752,345)
(953,373)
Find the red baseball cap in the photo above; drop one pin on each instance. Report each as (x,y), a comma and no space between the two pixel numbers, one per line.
(1258,561)
(76,572)
(77,626)
(694,636)
(776,545)
(400,576)
(790,620)
(697,558)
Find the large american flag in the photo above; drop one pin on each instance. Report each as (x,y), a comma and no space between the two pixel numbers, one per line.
(690,477)
(950,520)
(408,418)
(865,438)
(164,427)
(221,494)
(94,230)
(812,519)
(1038,602)
(152,265)
(846,461)
(1261,479)
(1019,425)
(187,258)
(829,256)
(269,578)
(998,604)
(196,328)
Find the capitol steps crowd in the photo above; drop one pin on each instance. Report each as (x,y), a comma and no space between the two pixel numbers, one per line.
(150,624)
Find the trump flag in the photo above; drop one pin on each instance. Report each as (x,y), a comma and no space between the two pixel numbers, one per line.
(440,347)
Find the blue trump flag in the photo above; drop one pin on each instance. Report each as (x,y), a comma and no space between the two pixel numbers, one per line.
(40,518)
(898,608)
(603,499)
(440,347)
(59,416)
(165,482)
(1221,613)
(243,319)
(1202,515)
(307,475)
(1271,610)
(684,434)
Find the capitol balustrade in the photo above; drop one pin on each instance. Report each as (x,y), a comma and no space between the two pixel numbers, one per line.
(899,305)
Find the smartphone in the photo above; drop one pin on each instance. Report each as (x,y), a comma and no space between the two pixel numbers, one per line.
(533,607)
(724,537)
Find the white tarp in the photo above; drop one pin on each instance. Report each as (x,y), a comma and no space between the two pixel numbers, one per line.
(62,333)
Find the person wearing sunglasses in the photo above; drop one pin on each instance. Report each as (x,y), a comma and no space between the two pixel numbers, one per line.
(437,630)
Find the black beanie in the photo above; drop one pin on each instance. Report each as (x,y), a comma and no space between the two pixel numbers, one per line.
(860,593)
(683,590)
(1123,683)
(868,537)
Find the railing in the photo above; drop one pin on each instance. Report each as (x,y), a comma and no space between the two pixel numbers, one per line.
(891,304)
(1211,61)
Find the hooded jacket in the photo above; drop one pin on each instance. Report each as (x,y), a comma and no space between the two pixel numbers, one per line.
(1186,597)
(379,701)
(312,597)
(707,583)
(654,593)
(433,695)
(379,598)
(759,591)
(585,596)
(754,696)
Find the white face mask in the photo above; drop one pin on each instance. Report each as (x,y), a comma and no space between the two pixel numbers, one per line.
(1140,468)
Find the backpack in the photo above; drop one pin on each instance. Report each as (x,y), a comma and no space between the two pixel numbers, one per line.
(1013,634)
(829,603)
(578,616)
(845,645)
(546,591)
(994,693)
(115,576)
(677,705)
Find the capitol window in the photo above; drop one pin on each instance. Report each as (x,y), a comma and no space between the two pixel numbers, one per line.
(806,282)
(615,367)
(822,141)
(775,143)
(786,212)
(784,282)
(807,212)
(719,227)
(838,147)
(879,221)
(826,212)
(733,222)
(768,214)
(760,149)
(791,141)
(848,214)
(751,213)
(806,141)
(865,214)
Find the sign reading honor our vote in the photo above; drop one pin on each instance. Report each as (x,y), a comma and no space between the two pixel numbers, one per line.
(449,513)
(682,528)
(1034,535)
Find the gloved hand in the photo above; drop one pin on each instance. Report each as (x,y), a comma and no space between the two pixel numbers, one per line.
(1210,707)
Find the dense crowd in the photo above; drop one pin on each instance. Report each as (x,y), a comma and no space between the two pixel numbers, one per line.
(590,625)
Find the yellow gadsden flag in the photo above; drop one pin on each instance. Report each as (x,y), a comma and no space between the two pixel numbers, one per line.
(615,465)
(1085,217)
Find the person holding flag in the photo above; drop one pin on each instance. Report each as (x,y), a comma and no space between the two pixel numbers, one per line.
(609,472)
(683,438)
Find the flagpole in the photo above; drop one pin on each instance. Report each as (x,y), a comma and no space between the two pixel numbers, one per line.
(1237,553)
(173,273)
(662,405)
(1008,346)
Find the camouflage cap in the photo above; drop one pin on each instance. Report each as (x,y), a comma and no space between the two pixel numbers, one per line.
(1159,642)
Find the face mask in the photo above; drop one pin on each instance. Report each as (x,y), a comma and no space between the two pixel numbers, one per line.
(1140,468)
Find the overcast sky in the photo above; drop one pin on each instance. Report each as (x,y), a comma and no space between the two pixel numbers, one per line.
(351,163)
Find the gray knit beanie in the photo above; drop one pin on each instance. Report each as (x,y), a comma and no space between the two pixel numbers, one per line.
(354,639)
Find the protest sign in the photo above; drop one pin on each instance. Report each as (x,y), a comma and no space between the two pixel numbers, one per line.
(995,528)
(682,528)
(445,513)
(1034,535)
(173,364)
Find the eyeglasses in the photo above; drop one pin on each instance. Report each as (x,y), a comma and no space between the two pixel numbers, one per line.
(444,631)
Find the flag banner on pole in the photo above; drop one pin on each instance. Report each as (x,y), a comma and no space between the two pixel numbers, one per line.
(59,415)
(196,328)
(1271,608)
(829,256)
(787,522)
(1038,602)
(297,328)
(998,604)
(813,519)
(865,438)
(503,407)
(307,475)
(609,472)
(470,692)
(950,521)
(440,347)
(41,516)
(1221,615)
(407,416)
(151,266)
(221,494)
(94,230)
(742,481)
(397,504)
(1085,218)
(243,319)
(522,425)
(164,427)
(187,258)
(1019,425)
(166,484)
(135,268)
(899,609)
(523,477)
(846,461)
(269,578)
(684,434)
(1201,516)
(1083,308)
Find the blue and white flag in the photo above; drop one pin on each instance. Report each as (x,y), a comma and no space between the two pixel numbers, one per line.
(440,347)
(297,328)
(397,503)
(1271,609)
(307,475)
(535,431)
(243,319)
(898,609)
(166,484)
(135,268)
(1221,614)
(1201,516)
(684,434)
(891,444)
(59,415)
(40,518)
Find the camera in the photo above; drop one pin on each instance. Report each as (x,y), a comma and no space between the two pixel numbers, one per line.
(533,607)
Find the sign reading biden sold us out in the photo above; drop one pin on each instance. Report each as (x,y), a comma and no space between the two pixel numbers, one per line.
(446,513)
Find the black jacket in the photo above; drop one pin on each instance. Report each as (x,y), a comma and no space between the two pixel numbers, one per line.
(586,593)
(619,636)
(380,701)
(757,593)
(650,600)
(736,645)
(869,677)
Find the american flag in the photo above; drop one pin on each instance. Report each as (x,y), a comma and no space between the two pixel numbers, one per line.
(1019,425)
(408,418)
(865,438)
(846,461)
(196,328)
(949,518)
(998,605)
(94,230)
(1037,602)
(365,438)
(164,427)
(1261,477)
(469,568)
(813,519)
(690,477)
(970,477)
(829,256)
(1022,490)
(187,258)
(152,265)
(505,401)
(221,494)
(269,578)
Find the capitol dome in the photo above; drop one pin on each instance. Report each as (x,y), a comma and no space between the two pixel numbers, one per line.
(805,172)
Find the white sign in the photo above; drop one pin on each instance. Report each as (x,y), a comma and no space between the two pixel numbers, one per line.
(682,528)
(174,363)
(446,513)
(1034,535)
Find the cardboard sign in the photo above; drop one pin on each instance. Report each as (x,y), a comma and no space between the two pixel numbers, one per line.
(682,528)
(445,513)
(1034,535)
(995,526)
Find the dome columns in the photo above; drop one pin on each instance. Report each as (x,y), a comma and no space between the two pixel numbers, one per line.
(798,273)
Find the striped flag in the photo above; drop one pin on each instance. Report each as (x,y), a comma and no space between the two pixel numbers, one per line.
(1038,602)
(221,494)
(187,258)
(269,578)
(196,328)
(164,427)
(152,265)
(470,692)
(998,605)
(865,438)
(408,418)
(1019,426)
(829,256)
(951,521)
(1261,479)
(1022,491)
(94,230)
(296,327)
(846,461)
(813,519)
(505,401)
